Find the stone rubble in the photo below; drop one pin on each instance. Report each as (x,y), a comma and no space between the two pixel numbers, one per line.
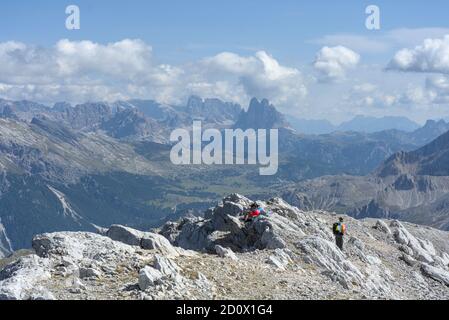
(284,254)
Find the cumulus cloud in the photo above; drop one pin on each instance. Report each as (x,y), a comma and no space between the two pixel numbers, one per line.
(332,63)
(260,75)
(381,42)
(84,70)
(126,58)
(375,100)
(364,87)
(435,92)
(357,42)
(431,56)
(437,88)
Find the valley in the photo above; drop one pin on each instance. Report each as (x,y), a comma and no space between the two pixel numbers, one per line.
(87,166)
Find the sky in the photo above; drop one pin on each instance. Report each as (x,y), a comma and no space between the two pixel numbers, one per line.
(312,59)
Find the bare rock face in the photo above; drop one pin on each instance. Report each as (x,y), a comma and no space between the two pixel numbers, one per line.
(436,273)
(124,234)
(148,276)
(382,226)
(166,266)
(280,259)
(326,255)
(20,280)
(145,240)
(225,253)
(420,249)
(422,252)
(224,226)
(281,248)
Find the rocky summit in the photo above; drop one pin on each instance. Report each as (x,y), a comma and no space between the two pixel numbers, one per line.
(285,253)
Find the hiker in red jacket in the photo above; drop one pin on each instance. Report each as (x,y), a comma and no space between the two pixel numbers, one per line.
(254,212)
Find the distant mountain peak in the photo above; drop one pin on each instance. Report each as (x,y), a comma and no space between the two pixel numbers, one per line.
(194,101)
(368,124)
(261,115)
(212,110)
(432,160)
(61,106)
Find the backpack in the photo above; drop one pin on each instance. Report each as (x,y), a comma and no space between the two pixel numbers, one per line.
(339,228)
(335,228)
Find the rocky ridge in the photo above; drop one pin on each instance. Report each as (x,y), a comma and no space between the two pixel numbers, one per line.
(284,254)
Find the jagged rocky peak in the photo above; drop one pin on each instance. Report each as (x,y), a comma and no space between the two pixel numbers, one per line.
(212,109)
(195,104)
(261,115)
(7,111)
(132,124)
(432,160)
(436,125)
(201,258)
(61,106)
(88,115)
(23,110)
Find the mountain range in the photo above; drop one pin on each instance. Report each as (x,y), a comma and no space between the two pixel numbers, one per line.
(412,186)
(95,164)
(358,124)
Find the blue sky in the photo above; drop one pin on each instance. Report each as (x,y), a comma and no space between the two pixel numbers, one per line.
(181,29)
(181,34)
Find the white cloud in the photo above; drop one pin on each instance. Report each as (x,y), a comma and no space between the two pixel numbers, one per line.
(260,75)
(381,42)
(437,87)
(357,42)
(431,56)
(333,62)
(126,58)
(364,87)
(84,70)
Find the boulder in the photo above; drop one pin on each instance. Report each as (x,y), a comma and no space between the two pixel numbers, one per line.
(270,240)
(166,266)
(153,241)
(145,240)
(435,273)
(222,221)
(89,273)
(18,281)
(422,250)
(357,243)
(409,260)
(280,259)
(382,227)
(148,277)
(81,249)
(442,260)
(125,235)
(77,286)
(41,293)
(225,253)
(262,233)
